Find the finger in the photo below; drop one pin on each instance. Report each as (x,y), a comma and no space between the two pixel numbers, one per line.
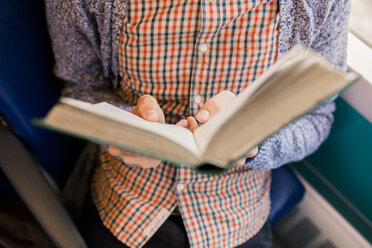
(114,151)
(118,152)
(215,104)
(143,162)
(253,152)
(240,162)
(147,106)
(149,109)
(192,123)
(183,123)
(133,158)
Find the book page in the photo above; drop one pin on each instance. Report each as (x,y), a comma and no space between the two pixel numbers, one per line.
(180,135)
(291,63)
(204,133)
(271,110)
(290,88)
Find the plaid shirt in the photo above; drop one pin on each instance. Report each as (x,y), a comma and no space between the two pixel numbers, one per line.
(182,53)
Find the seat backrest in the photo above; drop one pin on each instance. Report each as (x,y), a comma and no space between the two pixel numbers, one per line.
(27,86)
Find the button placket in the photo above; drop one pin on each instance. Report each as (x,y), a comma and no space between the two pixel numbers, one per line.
(198,99)
(203,47)
(180,187)
(202,57)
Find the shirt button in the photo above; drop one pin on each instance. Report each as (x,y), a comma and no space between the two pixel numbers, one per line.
(180,187)
(203,48)
(198,99)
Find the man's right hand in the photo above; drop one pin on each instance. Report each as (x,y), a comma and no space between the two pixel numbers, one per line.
(148,109)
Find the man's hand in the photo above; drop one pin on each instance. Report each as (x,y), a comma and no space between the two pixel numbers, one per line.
(210,109)
(148,109)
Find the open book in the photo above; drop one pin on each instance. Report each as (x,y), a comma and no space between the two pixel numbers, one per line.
(292,87)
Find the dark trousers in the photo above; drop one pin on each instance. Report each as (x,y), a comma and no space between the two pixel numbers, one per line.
(171,234)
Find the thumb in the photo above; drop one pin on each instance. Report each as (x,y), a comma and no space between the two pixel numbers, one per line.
(149,109)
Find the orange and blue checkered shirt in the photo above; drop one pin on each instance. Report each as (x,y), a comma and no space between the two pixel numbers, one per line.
(182,53)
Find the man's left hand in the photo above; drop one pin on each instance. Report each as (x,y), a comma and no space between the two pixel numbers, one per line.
(210,109)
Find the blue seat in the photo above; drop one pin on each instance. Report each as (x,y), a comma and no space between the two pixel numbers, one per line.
(27,86)
(286,192)
(28,89)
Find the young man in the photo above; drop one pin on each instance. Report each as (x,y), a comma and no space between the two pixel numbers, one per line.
(168,60)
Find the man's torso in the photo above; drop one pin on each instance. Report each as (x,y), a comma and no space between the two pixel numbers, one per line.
(182,53)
